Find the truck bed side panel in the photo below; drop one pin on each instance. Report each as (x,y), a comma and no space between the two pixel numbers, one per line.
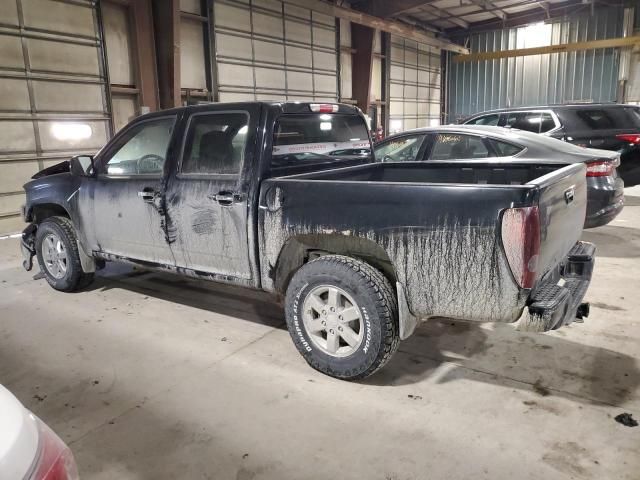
(442,240)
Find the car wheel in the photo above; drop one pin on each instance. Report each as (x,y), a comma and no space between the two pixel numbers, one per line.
(342,316)
(57,251)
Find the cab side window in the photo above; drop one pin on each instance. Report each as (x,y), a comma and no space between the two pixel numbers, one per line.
(142,150)
(456,146)
(215,143)
(403,149)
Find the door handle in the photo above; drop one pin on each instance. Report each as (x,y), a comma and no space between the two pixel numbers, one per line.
(226,198)
(147,194)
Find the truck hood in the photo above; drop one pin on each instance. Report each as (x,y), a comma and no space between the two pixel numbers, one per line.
(18,437)
(62,167)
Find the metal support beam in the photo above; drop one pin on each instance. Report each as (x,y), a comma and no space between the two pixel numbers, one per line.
(516,19)
(166,15)
(144,53)
(387,8)
(390,26)
(565,47)
(442,15)
(362,64)
(489,6)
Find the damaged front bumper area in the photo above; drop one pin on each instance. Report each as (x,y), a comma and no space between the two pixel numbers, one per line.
(28,246)
(558,300)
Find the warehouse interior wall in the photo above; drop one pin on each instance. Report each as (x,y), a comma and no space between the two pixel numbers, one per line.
(53,99)
(74,72)
(632,87)
(578,76)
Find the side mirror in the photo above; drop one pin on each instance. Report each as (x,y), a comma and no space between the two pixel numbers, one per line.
(81,166)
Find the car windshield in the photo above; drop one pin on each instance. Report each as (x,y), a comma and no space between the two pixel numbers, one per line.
(319,138)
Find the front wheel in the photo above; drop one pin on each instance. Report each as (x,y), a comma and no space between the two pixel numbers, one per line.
(342,316)
(57,251)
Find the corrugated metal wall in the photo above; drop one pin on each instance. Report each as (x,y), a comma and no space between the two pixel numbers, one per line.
(588,75)
(52,92)
(270,50)
(414,89)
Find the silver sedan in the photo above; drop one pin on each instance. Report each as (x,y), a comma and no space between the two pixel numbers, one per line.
(473,142)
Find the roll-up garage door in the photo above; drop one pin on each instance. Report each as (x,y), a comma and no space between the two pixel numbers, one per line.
(271,50)
(414,86)
(52,96)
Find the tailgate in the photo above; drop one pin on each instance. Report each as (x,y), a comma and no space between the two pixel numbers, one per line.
(562,203)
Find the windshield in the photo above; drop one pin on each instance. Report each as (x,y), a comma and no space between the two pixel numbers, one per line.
(319,137)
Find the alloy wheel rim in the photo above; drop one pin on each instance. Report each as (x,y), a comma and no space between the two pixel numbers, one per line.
(333,321)
(55,256)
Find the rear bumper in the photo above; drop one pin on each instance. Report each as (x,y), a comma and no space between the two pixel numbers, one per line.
(558,300)
(605,200)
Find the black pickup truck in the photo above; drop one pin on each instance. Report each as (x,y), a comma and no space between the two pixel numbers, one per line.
(287,197)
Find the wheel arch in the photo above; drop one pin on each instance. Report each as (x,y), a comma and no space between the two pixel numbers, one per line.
(300,249)
(41,211)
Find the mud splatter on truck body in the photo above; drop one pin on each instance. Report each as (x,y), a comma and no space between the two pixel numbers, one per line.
(432,227)
(443,248)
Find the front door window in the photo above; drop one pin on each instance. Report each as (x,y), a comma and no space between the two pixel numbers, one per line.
(143,150)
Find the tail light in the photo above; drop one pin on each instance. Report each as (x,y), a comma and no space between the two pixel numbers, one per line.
(601,168)
(54,460)
(521,242)
(323,107)
(630,138)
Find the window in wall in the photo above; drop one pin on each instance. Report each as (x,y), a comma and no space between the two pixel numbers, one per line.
(215,143)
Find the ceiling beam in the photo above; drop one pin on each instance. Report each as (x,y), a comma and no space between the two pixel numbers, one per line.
(443,15)
(390,26)
(565,47)
(489,6)
(391,8)
(517,19)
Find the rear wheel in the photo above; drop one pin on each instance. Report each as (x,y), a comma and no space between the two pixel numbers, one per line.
(342,316)
(57,251)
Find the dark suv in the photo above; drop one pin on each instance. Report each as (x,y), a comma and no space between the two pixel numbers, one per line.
(609,126)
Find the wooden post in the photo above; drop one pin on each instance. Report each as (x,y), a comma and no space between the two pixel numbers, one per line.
(144,54)
(166,15)
(362,64)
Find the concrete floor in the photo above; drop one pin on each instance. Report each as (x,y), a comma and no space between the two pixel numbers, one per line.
(149,376)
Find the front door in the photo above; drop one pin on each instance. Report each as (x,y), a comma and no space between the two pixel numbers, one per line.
(128,210)
(207,200)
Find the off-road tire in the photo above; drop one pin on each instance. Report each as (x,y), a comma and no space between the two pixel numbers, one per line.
(375,297)
(74,278)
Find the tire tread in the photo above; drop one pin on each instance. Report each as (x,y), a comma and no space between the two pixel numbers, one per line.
(386,303)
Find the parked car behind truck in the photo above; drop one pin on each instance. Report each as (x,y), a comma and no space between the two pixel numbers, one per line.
(605,189)
(607,126)
(254,194)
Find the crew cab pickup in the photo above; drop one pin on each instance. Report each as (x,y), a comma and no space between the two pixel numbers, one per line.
(287,198)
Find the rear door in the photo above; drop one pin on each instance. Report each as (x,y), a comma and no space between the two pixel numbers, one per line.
(207,198)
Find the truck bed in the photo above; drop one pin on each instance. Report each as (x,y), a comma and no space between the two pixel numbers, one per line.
(439,224)
(438,172)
